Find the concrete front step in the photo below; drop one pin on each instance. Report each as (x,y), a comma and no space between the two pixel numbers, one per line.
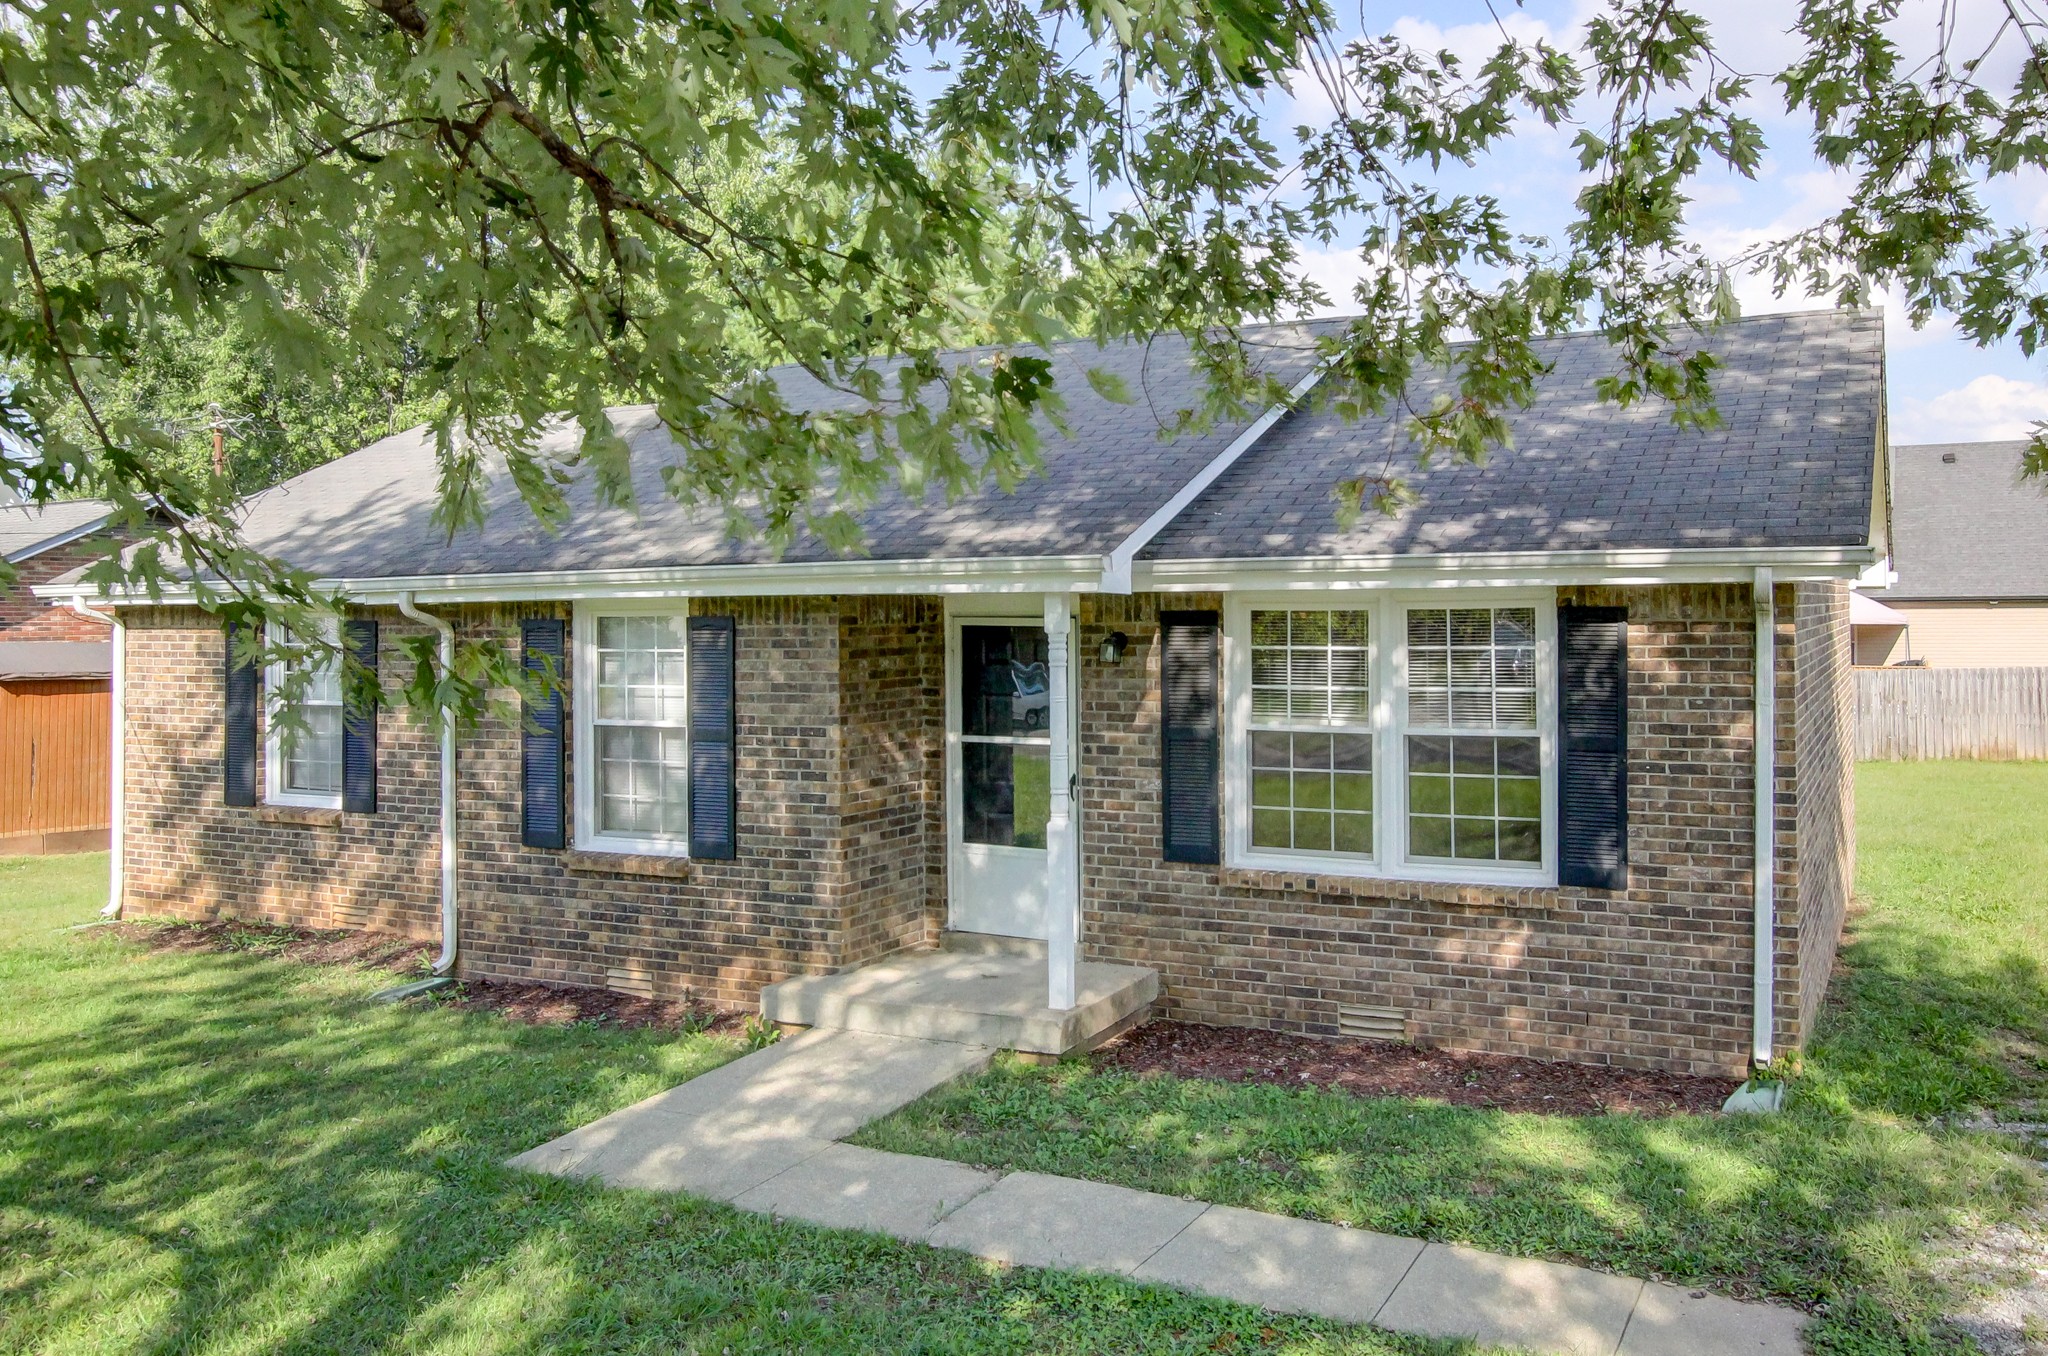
(988,944)
(994,999)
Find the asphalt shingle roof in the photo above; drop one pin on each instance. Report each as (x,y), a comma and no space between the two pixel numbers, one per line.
(369,515)
(1792,463)
(1967,527)
(26,529)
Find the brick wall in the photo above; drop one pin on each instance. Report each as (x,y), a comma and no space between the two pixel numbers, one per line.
(842,842)
(1659,975)
(827,797)
(892,718)
(1824,828)
(189,856)
(23,616)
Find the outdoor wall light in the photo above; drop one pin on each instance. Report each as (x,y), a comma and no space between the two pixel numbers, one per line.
(1113,647)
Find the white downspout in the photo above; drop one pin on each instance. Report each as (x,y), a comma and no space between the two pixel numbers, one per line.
(1766,908)
(446,961)
(117,755)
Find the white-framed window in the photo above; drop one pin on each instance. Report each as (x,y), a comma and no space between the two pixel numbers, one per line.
(632,739)
(1310,742)
(1472,744)
(302,744)
(1398,734)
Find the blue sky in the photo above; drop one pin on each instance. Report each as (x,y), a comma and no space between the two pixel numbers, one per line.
(1942,388)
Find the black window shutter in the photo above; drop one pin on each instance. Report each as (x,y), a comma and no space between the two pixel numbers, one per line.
(1190,754)
(238,754)
(543,821)
(359,723)
(1593,763)
(713,728)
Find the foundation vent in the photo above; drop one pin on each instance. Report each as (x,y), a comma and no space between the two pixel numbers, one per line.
(636,980)
(1372,1024)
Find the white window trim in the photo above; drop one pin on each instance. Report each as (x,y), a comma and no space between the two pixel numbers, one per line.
(583,740)
(1388,662)
(274,791)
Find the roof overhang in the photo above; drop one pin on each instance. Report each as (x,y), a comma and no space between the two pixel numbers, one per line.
(60,539)
(1030,574)
(1865,610)
(1073,574)
(1643,567)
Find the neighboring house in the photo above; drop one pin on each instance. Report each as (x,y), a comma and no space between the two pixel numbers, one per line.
(55,685)
(1970,552)
(41,544)
(1482,774)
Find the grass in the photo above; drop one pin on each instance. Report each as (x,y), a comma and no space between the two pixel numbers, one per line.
(233,1153)
(1941,1007)
(41,894)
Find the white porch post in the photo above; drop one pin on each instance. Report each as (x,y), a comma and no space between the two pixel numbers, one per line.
(1063,884)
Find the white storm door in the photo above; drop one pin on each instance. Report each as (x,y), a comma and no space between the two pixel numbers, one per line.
(998,775)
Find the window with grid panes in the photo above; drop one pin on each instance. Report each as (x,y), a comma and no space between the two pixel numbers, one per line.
(1472,744)
(639,727)
(1310,738)
(305,735)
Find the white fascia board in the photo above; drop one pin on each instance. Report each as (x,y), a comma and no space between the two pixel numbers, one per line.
(1117,565)
(1541,568)
(1027,574)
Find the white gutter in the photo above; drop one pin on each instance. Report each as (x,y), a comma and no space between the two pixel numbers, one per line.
(1526,568)
(117,757)
(993,574)
(1764,959)
(1117,565)
(1083,574)
(446,961)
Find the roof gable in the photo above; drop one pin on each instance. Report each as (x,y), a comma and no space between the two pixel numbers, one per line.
(1792,464)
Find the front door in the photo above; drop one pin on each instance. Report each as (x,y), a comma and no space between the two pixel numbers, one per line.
(998,747)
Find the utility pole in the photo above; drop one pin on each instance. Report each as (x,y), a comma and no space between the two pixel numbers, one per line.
(219,419)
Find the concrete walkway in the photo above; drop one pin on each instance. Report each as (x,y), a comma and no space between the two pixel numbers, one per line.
(761,1133)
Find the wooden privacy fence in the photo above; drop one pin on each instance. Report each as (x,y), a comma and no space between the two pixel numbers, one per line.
(54,737)
(1914,713)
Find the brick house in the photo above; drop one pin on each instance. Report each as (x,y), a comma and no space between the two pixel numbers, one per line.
(1484,774)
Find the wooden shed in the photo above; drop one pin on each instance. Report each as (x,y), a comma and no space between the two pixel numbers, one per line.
(56,706)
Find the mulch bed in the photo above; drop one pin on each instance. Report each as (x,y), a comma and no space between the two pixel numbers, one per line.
(531,1004)
(368,950)
(565,1005)
(1385,1069)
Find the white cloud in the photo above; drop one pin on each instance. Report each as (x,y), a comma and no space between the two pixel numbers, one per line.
(1984,409)
(1336,271)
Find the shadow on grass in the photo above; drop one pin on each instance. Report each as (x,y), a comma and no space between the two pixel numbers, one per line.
(228,1153)
(1826,1205)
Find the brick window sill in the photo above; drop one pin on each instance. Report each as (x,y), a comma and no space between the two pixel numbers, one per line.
(585,862)
(312,816)
(1502,898)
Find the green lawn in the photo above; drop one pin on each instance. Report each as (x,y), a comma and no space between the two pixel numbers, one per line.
(234,1153)
(41,894)
(1943,1007)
